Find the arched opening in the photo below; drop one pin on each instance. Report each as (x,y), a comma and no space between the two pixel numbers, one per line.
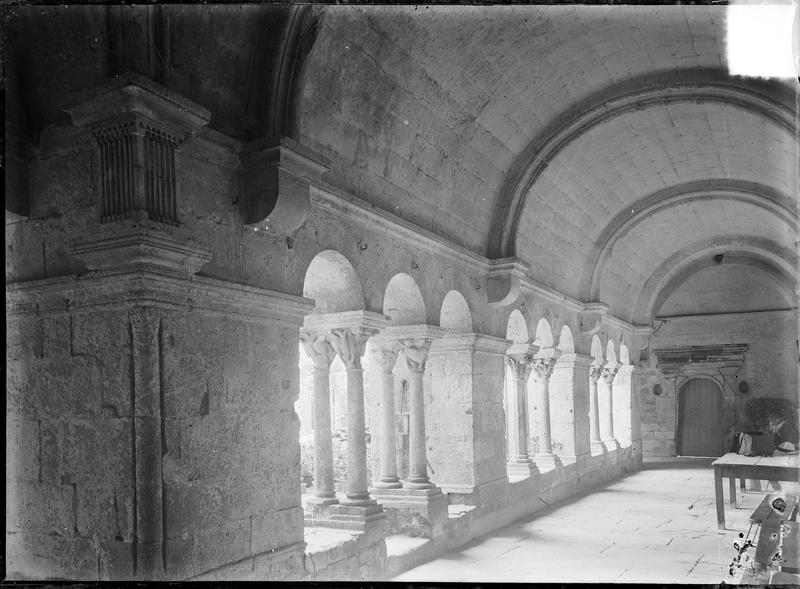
(566,344)
(455,315)
(403,302)
(332,283)
(544,335)
(700,418)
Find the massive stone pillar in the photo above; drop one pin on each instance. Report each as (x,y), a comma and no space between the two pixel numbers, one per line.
(387,357)
(621,390)
(322,354)
(569,409)
(594,410)
(416,355)
(606,405)
(519,363)
(349,345)
(542,370)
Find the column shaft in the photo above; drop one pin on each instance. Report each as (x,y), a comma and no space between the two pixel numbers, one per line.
(417,451)
(388,478)
(323,447)
(594,413)
(356,438)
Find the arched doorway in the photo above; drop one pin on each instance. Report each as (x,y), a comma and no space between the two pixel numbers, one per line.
(700,418)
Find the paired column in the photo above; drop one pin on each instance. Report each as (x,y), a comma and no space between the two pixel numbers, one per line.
(606,404)
(387,357)
(349,345)
(542,369)
(594,410)
(416,355)
(322,353)
(520,366)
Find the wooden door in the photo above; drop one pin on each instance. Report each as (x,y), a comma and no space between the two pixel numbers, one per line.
(700,419)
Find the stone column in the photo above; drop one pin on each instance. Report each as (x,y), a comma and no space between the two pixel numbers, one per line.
(520,366)
(594,410)
(349,345)
(322,354)
(606,405)
(416,354)
(387,356)
(542,369)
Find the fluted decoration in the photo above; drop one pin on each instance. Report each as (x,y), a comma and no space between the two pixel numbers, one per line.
(137,166)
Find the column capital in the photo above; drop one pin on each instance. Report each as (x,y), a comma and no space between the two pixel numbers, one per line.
(543,368)
(609,372)
(595,370)
(386,353)
(318,348)
(350,344)
(520,364)
(416,352)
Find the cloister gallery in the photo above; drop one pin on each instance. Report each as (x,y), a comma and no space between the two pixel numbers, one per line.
(392,272)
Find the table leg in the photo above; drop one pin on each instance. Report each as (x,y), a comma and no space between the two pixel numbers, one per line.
(720,500)
(732,486)
(742,486)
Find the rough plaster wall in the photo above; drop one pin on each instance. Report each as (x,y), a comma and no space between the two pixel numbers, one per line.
(725,289)
(771,369)
(69,502)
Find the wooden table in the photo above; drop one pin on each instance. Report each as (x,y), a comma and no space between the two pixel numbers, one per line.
(765,468)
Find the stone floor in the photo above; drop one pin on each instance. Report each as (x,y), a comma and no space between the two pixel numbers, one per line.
(657,525)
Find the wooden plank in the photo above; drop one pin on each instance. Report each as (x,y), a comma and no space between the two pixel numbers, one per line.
(790,554)
(769,540)
(764,509)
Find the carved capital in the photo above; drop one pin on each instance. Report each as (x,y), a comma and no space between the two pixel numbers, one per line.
(318,349)
(594,372)
(416,353)
(387,358)
(350,344)
(520,364)
(543,368)
(609,372)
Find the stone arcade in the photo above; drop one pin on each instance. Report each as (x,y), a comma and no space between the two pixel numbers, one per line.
(484,230)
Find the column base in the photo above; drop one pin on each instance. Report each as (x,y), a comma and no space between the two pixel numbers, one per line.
(317,500)
(545,462)
(387,484)
(414,512)
(519,468)
(359,518)
(597,448)
(416,484)
(611,444)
